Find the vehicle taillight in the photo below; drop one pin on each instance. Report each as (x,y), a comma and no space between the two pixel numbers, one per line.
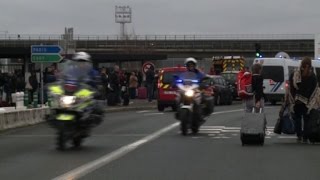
(287,84)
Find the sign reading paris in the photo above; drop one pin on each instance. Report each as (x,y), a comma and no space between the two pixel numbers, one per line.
(46,53)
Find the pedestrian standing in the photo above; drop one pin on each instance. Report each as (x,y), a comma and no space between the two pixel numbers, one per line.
(115,83)
(133,84)
(33,81)
(149,83)
(303,83)
(104,83)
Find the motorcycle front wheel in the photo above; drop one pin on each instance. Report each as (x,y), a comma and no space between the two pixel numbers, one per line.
(184,118)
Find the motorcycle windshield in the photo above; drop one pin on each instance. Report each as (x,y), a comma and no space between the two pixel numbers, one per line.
(188,78)
(75,70)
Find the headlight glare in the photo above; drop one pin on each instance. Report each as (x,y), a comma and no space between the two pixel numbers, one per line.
(67,100)
(189,93)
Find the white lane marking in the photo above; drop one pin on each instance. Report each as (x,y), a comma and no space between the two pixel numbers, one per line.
(287,137)
(223,112)
(119,135)
(91,166)
(106,159)
(144,111)
(227,129)
(30,136)
(52,135)
(152,114)
(230,131)
(237,110)
(211,132)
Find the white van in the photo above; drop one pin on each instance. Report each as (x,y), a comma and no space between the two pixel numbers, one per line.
(276,72)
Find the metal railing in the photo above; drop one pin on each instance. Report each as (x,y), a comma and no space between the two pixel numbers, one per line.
(162,37)
(295,42)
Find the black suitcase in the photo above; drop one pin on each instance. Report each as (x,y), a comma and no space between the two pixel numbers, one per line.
(253,128)
(313,126)
(125,99)
(112,99)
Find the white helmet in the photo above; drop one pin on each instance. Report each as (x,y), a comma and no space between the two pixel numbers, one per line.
(81,56)
(190,60)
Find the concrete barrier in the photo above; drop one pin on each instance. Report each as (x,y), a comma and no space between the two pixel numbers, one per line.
(22,117)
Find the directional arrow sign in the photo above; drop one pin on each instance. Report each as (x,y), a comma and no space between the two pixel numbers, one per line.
(45,53)
(45,49)
(46,58)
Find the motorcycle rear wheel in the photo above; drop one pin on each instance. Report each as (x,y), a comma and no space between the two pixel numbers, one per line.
(77,141)
(61,140)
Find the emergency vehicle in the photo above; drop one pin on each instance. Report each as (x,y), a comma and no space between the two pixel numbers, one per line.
(166,87)
(228,63)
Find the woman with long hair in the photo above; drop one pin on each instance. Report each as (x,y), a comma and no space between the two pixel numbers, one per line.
(303,83)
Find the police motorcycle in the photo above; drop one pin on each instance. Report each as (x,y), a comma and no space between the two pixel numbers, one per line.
(195,101)
(74,110)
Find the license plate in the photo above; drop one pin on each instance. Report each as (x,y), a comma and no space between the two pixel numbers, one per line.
(169,92)
(65,117)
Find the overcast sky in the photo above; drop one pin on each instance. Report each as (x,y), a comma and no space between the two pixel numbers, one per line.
(161,16)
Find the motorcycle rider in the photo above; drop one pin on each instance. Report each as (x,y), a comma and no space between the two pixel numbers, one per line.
(90,76)
(93,74)
(191,65)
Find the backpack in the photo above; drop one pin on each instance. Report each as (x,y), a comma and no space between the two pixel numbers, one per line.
(244,84)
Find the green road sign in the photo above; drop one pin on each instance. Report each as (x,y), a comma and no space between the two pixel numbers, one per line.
(46,58)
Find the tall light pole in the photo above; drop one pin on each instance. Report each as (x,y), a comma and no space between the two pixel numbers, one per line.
(123,15)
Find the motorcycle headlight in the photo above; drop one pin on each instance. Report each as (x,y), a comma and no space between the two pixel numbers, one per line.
(67,100)
(189,93)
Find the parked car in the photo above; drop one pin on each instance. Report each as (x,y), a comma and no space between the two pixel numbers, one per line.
(222,90)
(231,78)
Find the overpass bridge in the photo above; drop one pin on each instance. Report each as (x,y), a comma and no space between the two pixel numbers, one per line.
(159,47)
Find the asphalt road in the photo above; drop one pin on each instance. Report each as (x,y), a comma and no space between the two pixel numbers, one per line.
(147,145)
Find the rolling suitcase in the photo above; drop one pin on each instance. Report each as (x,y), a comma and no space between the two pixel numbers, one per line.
(253,128)
(142,93)
(313,126)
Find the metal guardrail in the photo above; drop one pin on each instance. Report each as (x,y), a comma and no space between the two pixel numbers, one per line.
(162,37)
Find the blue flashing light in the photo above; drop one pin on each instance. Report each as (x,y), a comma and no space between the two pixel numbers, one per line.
(179,81)
(260,56)
(195,81)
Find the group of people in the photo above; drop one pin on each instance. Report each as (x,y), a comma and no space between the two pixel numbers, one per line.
(10,83)
(118,82)
(302,96)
